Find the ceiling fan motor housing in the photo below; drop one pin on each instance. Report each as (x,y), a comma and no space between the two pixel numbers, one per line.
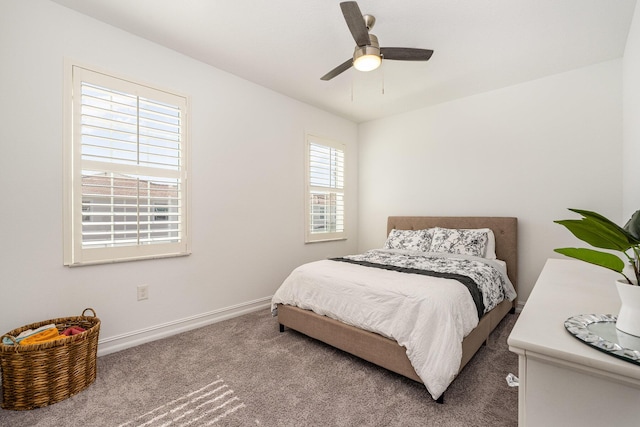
(371,49)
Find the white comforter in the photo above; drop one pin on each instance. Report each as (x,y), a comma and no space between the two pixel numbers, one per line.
(429,316)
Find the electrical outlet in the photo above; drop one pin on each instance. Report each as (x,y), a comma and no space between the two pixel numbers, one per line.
(143,292)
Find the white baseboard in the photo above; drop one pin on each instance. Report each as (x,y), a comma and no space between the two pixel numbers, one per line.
(152,333)
(131,339)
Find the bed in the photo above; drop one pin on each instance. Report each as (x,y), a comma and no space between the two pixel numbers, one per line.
(381,348)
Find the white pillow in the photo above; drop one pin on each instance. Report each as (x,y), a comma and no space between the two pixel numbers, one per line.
(413,240)
(476,242)
(491,244)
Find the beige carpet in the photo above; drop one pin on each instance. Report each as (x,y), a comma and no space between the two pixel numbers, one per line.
(243,372)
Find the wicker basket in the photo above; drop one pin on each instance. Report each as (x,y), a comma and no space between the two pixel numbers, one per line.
(42,374)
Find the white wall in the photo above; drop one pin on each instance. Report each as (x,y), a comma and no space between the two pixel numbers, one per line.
(631,118)
(530,151)
(247,184)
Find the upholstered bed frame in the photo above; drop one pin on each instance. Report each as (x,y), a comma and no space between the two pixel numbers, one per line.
(388,353)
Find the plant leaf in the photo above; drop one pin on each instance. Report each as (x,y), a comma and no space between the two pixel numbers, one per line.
(610,231)
(602,259)
(608,223)
(596,234)
(633,225)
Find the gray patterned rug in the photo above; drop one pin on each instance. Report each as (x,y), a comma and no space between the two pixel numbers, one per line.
(203,407)
(243,372)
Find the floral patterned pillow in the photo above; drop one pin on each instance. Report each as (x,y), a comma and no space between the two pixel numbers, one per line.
(460,241)
(413,240)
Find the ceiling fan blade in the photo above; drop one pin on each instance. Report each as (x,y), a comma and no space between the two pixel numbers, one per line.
(338,70)
(406,53)
(355,22)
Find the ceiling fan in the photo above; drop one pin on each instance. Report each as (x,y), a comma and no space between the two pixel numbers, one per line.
(368,54)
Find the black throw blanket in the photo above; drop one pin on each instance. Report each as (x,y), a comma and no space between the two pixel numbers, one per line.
(468,282)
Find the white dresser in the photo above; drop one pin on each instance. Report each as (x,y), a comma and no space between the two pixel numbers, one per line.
(564,382)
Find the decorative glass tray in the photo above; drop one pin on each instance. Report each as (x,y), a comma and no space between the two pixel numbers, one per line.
(599,331)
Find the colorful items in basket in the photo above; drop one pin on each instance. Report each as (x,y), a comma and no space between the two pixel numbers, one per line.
(42,334)
(73,330)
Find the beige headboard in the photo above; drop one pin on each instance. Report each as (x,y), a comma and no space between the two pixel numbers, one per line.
(504,228)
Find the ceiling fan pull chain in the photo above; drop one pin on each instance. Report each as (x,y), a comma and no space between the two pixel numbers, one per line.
(382,80)
(351,88)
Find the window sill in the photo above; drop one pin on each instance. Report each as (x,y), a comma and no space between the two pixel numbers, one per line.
(334,239)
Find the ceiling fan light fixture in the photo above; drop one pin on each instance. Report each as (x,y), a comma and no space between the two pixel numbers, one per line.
(367,58)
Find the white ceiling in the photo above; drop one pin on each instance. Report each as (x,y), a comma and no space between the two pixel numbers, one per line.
(287,45)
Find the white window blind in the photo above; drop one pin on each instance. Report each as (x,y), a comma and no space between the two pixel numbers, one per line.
(325,207)
(127,171)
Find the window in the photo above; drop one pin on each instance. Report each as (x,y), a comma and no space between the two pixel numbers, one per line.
(325,206)
(163,210)
(126,192)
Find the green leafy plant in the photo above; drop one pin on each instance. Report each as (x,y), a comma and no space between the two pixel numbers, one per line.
(602,233)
